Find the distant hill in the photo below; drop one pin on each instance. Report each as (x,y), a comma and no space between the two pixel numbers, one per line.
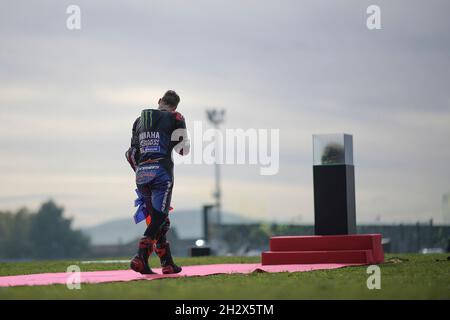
(186,223)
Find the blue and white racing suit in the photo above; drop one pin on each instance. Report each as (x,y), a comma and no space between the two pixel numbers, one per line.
(155,134)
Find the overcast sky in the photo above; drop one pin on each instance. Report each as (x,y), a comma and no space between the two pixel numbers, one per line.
(68,99)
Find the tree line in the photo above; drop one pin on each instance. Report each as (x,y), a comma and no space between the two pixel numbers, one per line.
(44,234)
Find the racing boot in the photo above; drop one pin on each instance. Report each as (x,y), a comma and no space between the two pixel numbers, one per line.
(165,256)
(140,261)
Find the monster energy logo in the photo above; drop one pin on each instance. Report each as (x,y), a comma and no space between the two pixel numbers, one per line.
(147,119)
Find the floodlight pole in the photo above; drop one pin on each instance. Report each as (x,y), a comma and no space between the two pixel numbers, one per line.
(206,222)
(216,117)
(217,193)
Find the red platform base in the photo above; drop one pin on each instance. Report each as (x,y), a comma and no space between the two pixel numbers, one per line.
(356,248)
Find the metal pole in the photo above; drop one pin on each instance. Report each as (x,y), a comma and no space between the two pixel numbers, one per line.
(218,194)
(206,229)
(216,117)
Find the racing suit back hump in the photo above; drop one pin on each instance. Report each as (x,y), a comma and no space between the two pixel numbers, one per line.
(152,138)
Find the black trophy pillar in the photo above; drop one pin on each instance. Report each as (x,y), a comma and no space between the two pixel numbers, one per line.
(334,199)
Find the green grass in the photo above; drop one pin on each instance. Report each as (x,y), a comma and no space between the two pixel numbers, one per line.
(411,276)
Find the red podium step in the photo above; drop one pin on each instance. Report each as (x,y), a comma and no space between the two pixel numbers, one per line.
(357,248)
